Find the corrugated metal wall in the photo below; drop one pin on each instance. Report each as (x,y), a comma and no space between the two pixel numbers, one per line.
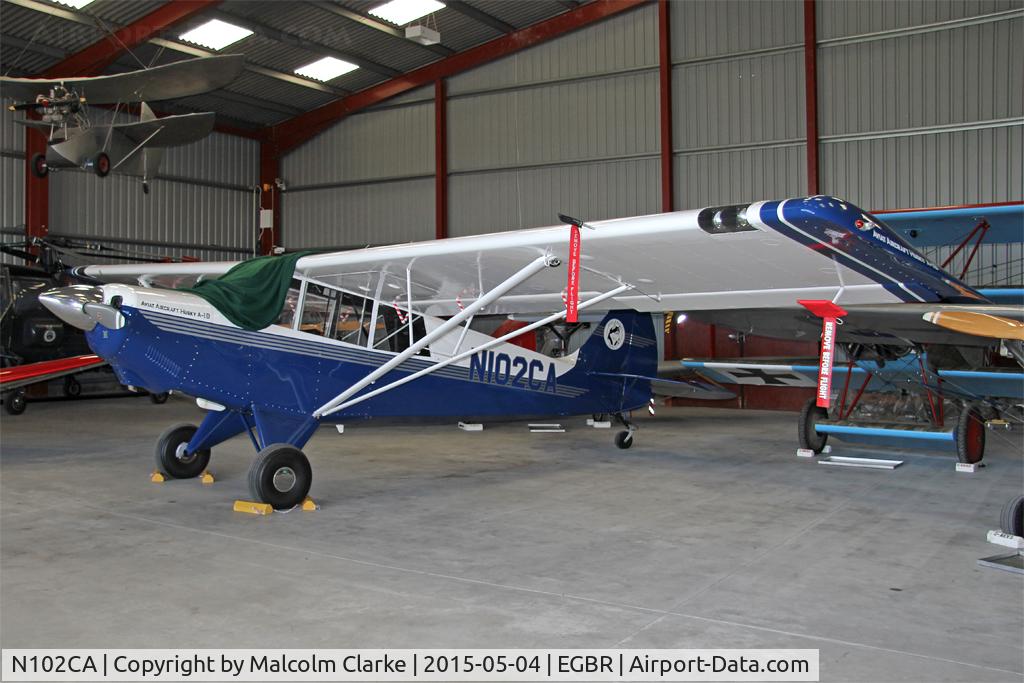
(569,126)
(202,204)
(920,103)
(367,180)
(737,101)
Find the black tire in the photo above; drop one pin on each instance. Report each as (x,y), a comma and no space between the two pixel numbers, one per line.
(72,387)
(159,398)
(1011,520)
(167,459)
(15,403)
(145,187)
(810,415)
(624,440)
(101,165)
(970,434)
(40,169)
(280,475)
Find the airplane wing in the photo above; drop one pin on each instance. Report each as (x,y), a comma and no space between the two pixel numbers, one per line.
(903,373)
(43,371)
(884,324)
(170,81)
(763,255)
(169,131)
(950,225)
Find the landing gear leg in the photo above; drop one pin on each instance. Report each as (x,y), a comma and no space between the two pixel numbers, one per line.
(624,439)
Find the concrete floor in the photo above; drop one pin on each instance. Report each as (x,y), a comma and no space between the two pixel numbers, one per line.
(708,533)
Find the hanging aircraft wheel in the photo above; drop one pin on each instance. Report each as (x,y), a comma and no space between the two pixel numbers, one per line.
(159,398)
(624,439)
(72,387)
(15,402)
(171,457)
(101,165)
(970,434)
(1011,521)
(280,475)
(40,169)
(810,415)
(145,187)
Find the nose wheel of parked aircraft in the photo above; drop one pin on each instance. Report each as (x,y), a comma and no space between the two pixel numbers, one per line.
(172,456)
(280,475)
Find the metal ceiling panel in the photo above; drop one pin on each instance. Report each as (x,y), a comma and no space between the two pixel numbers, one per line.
(519,14)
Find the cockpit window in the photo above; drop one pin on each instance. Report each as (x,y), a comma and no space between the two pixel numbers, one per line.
(719,220)
(291,302)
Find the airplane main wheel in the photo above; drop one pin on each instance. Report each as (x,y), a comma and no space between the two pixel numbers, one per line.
(970,435)
(40,169)
(810,415)
(15,403)
(101,165)
(624,439)
(280,475)
(1011,520)
(72,387)
(171,457)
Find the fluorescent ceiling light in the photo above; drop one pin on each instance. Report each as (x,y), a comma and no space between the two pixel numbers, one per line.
(77,4)
(326,69)
(215,34)
(401,12)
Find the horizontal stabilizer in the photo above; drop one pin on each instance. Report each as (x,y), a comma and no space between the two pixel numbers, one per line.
(170,81)
(677,388)
(171,131)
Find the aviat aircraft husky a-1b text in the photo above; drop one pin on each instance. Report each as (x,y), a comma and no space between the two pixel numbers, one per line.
(278,346)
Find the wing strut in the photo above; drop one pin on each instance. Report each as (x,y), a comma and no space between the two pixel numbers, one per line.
(487,299)
(482,347)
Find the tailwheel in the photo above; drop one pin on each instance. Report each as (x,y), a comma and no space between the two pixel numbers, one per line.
(172,457)
(624,439)
(970,434)
(280,476)
(810,415)
(101,165)
(40,169)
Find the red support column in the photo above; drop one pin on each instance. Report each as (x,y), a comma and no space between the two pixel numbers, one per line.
(270,195)
(37,190)
(440,160)
(665,114)
(811,93)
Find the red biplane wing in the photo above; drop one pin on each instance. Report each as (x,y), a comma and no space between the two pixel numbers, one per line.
(43,371)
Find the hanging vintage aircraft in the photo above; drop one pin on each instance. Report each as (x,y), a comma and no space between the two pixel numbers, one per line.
(275,347)
(58,107)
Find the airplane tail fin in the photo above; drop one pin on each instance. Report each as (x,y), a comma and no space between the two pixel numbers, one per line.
(624,343)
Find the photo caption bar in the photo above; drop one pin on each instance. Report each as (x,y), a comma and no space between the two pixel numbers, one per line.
(410,665)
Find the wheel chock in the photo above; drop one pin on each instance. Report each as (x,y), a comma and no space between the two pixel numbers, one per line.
(251,508)
(206,478)
(309,505)
(157,477)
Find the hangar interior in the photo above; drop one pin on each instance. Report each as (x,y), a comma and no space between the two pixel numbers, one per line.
(712,536)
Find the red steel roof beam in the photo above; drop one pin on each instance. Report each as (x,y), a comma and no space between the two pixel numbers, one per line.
(293,132)
(811,93)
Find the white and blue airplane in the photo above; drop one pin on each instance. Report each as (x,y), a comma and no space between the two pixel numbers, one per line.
(402,331)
